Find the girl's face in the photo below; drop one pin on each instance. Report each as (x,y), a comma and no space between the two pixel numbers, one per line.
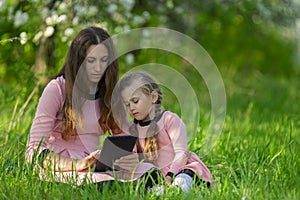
(139,104)
(96,62)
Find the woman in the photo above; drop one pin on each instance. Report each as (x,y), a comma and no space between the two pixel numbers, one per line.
(75,110)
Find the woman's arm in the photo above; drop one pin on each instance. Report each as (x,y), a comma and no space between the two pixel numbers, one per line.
(49,106)
(54,162)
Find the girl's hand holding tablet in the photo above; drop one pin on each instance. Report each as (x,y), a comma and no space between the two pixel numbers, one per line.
(128,162)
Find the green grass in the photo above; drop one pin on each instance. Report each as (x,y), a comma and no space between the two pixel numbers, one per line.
(255,157)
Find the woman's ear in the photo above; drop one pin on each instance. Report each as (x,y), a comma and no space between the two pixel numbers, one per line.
(154,96)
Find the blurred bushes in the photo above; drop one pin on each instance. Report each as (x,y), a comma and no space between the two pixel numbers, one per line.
(243,35)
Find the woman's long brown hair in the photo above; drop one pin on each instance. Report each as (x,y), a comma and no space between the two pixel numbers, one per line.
(75,59)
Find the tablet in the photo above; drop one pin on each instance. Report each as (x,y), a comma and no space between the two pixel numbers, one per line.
(114,147)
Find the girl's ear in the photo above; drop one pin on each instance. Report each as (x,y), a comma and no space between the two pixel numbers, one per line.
(154,96)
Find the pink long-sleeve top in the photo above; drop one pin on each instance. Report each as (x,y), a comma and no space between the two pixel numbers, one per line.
(47,125)
(173,153)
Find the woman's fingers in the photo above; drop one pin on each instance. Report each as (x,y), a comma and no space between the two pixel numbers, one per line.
(88,161)
(96,154)
(93,157)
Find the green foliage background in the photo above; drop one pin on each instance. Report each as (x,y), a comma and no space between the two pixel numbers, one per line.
(254,43)
(244,35)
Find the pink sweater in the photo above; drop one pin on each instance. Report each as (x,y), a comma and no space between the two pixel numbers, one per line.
(173,153)
(47,125)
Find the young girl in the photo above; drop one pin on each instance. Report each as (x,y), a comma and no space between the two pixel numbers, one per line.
(162,134)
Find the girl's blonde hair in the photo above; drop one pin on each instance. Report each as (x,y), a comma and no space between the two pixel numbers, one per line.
(148,85)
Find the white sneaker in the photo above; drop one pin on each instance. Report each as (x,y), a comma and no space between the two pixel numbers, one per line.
(158,189)
(184,181)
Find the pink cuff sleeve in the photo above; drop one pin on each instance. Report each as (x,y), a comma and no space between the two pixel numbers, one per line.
(50,104)
(177,133)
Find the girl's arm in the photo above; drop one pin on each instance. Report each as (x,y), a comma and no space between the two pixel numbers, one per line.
(131,161)
(177,132)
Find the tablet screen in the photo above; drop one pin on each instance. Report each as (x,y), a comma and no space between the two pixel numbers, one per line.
(114,147)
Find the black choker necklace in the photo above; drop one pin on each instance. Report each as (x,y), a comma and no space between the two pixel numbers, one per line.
(142,123)
(146,123)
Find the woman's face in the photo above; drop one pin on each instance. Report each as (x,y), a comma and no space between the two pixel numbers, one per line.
(96,62)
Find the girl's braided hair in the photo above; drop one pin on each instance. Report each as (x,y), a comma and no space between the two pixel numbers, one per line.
(148,85)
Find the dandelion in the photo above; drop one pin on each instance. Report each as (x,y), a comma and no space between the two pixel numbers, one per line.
(61,18)
(49,21)
(45,12)
(37,37)
(75,21)
(138,20)
(49,31)
(146,14)
(23,38)
(129,59)
(127,4)
(145,39)
(112,8)
(64,39)
(62,6)
(217,127)
(69,32)
(179,10)
(92,10)
(54,17)
(126,27)
(2,4)
(80,10)
(146,33)
(20,18)
(118,29)
(52,20)
(170,4)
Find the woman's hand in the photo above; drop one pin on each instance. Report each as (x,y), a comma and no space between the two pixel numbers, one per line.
(88,161)
(63,164)
(129,162)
